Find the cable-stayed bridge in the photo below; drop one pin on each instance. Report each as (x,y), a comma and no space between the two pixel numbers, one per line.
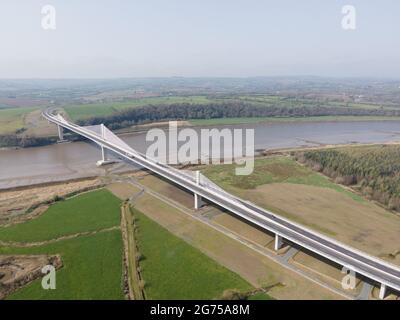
(382,272)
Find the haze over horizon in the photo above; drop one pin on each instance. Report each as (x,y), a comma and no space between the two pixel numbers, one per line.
(125,39)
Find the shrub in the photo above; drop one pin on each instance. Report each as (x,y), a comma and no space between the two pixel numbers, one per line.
(233,294)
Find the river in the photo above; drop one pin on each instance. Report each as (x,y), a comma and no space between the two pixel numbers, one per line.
(76,160)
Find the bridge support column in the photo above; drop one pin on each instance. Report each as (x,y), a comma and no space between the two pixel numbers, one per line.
(60,133)
(103,131)
(104,159)
(103,154)
(197,199)
(382,291)
(278,242)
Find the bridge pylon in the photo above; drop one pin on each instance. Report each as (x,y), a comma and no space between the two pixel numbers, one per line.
(104,157)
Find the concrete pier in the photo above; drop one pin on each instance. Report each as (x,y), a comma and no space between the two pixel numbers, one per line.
(197,199)
(382,292)
(278,242)
(104,159)
(60,133)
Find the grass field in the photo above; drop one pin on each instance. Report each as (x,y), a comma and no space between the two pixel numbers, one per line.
(272,170)
(88,212)
(92,268)
(83,111)
(13,119)
(306,102)
(233,121)
(92,264)
(173,269)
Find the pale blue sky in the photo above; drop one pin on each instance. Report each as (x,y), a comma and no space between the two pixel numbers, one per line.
(150,38)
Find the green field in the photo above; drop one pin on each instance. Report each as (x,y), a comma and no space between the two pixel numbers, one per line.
(290,102)
(83,111)
(92,268)
(12,119)
(90,211)
(233,121)
(92,264)
(173,269)
(271,170)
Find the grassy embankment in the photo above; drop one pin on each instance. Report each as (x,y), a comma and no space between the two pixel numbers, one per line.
(132,257)
(92,263)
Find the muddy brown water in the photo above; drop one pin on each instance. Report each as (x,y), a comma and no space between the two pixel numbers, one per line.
(75,160)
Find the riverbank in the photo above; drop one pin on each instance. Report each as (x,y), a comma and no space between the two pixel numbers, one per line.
(196,123)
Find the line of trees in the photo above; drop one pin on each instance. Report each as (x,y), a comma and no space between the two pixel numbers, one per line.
(26,141)
(185,111)
(375,171)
